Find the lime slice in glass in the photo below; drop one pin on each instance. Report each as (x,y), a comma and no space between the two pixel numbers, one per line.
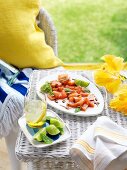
(35,111)
(35,125)
(52,130)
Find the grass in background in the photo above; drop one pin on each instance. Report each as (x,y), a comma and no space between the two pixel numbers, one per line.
(89,29)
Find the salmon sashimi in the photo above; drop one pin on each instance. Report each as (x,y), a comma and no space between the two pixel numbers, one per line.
(77,96)
(60,95)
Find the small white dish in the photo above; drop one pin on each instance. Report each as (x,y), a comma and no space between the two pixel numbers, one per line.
(62,106)
(29,132)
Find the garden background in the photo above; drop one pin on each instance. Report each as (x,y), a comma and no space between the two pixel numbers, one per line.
(89,29)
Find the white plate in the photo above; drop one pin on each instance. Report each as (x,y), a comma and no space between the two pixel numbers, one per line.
(28,132)
(94,90)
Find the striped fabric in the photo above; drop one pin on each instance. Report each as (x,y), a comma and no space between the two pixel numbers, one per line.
(12,99)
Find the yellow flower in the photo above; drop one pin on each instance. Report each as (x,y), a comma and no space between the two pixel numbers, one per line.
(110,81)
(109,74)
(119,103)
(113,63)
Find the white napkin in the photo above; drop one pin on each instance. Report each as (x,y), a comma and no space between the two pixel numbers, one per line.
(103,146)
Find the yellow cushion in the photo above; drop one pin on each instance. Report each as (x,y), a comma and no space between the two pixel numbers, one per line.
(22,43)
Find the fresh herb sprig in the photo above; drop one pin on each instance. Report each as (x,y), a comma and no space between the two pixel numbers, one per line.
(46,88)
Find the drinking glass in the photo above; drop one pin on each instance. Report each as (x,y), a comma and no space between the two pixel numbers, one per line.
(35,108)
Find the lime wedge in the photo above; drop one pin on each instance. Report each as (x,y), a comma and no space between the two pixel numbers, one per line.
(46,139)
(57,123)
(52,130)
(39,134)
(48,118)
(61,130)
(81,83)
(35,111)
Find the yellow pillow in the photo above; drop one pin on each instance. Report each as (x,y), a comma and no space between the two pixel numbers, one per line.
(22,42)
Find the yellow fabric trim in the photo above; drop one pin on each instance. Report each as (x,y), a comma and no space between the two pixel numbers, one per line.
(85,66)
(111,133)
(86,146)
(82,66)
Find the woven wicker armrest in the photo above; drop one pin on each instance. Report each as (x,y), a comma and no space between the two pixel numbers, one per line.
(45,22)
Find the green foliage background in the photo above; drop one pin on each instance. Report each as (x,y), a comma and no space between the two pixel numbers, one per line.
(89,29)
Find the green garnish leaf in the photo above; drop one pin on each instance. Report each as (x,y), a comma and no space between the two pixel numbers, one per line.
(46,88)
(67,90)
(81,83)
(77,110)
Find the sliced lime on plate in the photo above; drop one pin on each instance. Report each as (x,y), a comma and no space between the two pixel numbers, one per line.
(39,135)
(52,130)
(56,122)
(61,130)
(46,139)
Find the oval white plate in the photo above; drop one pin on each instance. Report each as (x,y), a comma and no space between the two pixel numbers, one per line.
(94,90)
(22,124)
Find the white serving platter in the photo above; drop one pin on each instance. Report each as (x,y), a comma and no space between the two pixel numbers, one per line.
(61,106)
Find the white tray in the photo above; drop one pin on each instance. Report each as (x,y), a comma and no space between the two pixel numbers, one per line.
(22,124)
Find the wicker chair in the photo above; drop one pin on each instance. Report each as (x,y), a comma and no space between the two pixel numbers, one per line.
(45,22)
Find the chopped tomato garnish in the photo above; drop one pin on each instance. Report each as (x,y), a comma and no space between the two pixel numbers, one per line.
(71,99)
(51,97)
(78,89)
(63,78)
(55,84)
(91,104)
(71,83)
(60,88)
(77,104)
(84,107)
(74,94)
(60,95)
(84,94)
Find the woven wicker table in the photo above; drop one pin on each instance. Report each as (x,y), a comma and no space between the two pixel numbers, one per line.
(57,156)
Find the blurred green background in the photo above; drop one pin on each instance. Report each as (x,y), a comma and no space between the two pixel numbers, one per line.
(89,29)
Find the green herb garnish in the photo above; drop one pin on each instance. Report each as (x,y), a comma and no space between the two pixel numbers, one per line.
(77,110)
(46,88)
(67,90)
(81,83)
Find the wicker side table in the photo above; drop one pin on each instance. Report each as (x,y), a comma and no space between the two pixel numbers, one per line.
(57,156)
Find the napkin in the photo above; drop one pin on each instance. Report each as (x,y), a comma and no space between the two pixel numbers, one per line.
(103,146)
